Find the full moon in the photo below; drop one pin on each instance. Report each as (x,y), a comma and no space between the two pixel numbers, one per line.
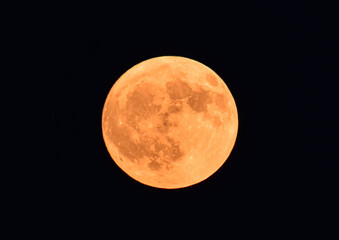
(169,122)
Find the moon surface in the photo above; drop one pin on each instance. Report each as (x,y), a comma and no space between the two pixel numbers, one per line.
(169,122)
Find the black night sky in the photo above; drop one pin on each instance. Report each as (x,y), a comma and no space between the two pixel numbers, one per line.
(278,62)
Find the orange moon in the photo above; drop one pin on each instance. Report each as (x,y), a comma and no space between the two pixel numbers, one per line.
(169,122)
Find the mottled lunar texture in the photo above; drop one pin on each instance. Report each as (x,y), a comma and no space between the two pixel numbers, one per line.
(169,122)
